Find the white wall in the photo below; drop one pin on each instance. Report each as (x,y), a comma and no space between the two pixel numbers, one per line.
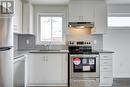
(119,42)
(49,9)
(119,8)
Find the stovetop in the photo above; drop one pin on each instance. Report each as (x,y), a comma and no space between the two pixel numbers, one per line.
(82,50)
(92,52)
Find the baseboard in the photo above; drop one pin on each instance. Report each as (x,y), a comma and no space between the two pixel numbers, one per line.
(121,76)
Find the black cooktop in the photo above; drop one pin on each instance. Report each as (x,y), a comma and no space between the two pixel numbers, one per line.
(81,50)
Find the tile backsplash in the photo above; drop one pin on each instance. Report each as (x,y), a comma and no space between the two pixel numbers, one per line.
(27,42)
(15,41)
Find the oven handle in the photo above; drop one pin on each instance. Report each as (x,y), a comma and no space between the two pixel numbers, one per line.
(82,55)
(80,78)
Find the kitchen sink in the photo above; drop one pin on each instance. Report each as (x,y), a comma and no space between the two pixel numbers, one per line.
(53,50)
(49,50)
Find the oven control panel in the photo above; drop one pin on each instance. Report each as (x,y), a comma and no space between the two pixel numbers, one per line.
(78,43)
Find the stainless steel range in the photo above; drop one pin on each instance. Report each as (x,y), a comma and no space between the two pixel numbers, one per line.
(83,65)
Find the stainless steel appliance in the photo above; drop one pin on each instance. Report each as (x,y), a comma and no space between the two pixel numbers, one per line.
(81,25)
(83,65)
(6,50)
(19,71)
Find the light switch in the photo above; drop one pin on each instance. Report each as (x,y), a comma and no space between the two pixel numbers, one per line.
(95,42)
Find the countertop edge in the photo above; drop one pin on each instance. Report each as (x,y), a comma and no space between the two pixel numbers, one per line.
(23,52)
(106,52)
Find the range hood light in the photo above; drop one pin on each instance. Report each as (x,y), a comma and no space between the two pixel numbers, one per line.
(70,26)
(80,27)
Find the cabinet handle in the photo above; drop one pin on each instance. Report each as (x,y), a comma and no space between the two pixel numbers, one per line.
(105,68)
(105,62)
(46,58)
(106,77)
(43,59)
(81,18)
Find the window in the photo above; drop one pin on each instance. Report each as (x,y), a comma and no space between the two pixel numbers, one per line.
(50,28)
(118,21)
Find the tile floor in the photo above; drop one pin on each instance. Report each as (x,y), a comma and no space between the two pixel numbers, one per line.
(119,83)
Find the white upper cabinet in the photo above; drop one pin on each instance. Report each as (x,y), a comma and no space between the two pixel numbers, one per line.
(89,11)
(81,12)
(27,17)
(17,19)
(100,18)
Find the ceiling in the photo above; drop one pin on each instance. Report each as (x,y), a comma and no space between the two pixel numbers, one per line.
(50,2)
(53,2)
(118,1)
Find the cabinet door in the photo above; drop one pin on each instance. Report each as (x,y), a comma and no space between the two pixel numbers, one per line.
(17,16)
(36,68)
(64,69)
(54,68)
(74,15)
(46,69)
(27,18)
(81,12)
(100,18)
(87,11)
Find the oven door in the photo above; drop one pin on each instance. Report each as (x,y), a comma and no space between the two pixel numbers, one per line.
(84,65)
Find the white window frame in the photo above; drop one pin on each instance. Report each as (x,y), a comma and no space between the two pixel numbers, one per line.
(119,15)
(38,42)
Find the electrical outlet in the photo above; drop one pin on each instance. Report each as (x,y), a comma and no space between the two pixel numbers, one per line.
(27,41)
(95,42)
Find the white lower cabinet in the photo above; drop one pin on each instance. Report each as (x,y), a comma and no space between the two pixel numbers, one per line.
(106,75)
(47,69)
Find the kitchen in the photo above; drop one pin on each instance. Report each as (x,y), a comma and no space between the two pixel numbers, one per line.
(63,56)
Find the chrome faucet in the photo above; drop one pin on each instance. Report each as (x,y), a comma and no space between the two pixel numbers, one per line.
(48,46)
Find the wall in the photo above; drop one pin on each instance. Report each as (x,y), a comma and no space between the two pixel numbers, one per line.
(82,35)
(119,42)
(118,8)
(49,9)
(22,42)
(53,8)
(15,41)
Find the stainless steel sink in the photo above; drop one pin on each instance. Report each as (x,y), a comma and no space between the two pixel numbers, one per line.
(49,50)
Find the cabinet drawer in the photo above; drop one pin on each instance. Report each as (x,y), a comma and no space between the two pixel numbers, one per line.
(106,68)
(84,82)
(106,74)
(107,56)
(105,62)
(106,80)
